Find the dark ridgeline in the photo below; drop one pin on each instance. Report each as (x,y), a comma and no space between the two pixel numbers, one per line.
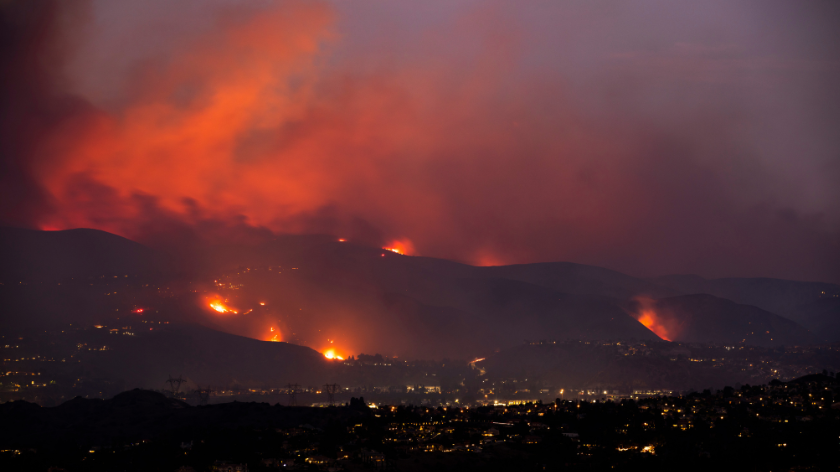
(784,425)
(31,255)
(703,318)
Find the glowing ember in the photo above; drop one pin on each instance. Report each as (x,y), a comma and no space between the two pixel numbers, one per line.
(262,303)
(137,310)
(341,240)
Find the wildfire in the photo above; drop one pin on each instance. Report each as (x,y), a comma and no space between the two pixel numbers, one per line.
(403,247)
(221,308)
(274,334)
(330,354)
(649,319)
(137,310)
(648,316)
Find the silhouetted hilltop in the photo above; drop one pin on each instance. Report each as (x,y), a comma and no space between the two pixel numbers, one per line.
(705,318)
(205,356)
(580,279)
(818,378)
(822,317)
(139,415)
(55,255)
(783,297)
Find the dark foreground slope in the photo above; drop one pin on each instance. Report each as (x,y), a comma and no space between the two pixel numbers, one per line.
(759,427)
(138,415)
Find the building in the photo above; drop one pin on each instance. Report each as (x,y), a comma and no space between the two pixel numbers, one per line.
(318,460)
(373,458)
(224,466)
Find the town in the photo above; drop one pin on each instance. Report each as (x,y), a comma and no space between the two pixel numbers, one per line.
(791,425)
(58,365)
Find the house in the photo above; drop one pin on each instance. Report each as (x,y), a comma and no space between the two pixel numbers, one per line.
(373,458)
(224,466)
(318,460)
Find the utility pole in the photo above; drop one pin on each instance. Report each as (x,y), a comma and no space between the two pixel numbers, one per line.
(203,394)
(292,389)
(331,390)
(175,385)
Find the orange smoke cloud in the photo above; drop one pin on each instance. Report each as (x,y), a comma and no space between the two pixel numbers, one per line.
(249,125)
(647,315)
(297,116)
(651,322)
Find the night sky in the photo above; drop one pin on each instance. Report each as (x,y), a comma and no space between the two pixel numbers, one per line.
(653,138)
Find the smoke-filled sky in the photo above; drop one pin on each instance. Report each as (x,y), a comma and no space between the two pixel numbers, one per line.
(650,137)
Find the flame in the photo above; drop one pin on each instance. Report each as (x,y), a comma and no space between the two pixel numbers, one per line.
(331,354)
(341,240)
(137,310)
(652,320)
(400,246)
(274,335)
(221,308)
(262,303)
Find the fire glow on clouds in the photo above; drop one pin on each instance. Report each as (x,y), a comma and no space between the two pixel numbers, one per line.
(489,132)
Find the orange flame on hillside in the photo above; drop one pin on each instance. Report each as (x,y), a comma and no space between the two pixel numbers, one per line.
(649,319)
(331,354)
(274,335)
(400,246)
(220,307)
(648,316)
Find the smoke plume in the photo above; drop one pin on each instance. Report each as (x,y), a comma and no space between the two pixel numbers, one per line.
(671,137)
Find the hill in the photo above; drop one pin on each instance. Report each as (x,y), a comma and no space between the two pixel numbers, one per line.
(141,415)
(31,255)
(205,356)
(705,318)
(783,297)
(319,292)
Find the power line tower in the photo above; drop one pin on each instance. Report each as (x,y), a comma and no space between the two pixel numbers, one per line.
(175,385)
(292,390)
(203,394)
(331,390)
